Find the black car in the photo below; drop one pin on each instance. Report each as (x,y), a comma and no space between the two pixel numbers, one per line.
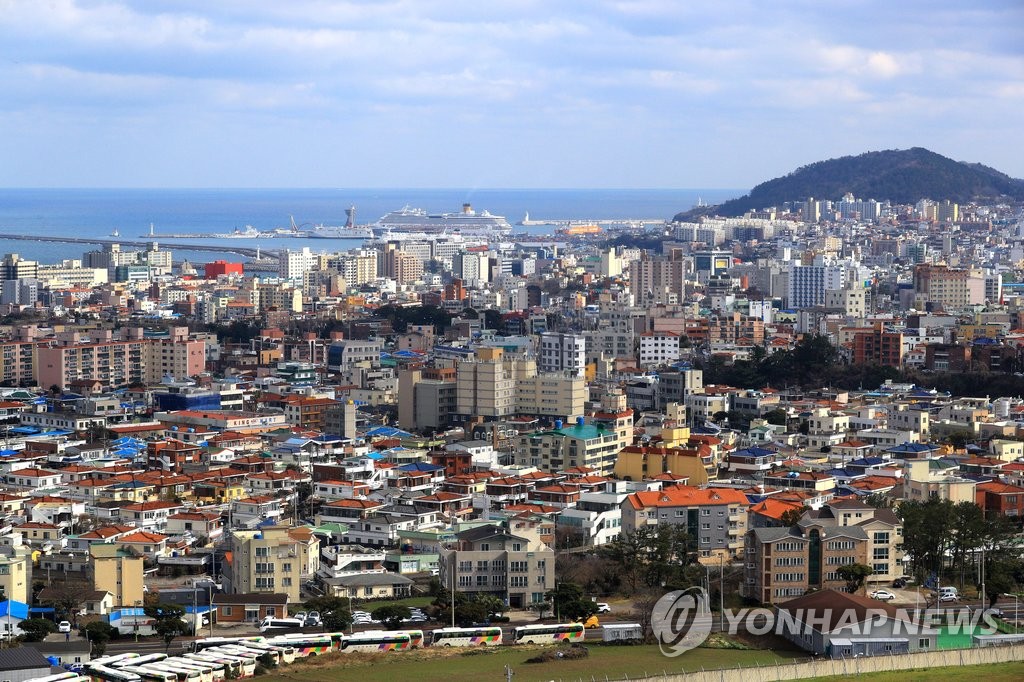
(899,582)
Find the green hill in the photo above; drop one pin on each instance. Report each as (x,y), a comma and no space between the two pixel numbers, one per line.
(903,176)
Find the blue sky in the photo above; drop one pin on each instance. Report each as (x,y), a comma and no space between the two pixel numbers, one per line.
(496,93)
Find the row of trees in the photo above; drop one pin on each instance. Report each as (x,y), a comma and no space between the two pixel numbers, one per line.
(948,539)
(814,362)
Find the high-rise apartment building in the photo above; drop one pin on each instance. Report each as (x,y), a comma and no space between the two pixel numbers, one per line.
(808,284)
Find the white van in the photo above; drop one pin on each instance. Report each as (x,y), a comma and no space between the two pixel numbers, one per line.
(269,623)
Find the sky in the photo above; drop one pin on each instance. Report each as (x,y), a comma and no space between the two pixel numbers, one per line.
(497,93)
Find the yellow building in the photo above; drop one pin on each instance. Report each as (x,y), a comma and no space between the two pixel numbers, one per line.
(15,568)
(638,463)
(118,572)
(273,560)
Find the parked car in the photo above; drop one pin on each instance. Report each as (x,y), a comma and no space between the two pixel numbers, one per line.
(602,607)
(948,597)
(64,626)
(899,583)
(883,595)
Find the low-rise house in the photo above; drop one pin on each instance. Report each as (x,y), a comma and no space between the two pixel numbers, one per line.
(597,517)
(370,586)
(150,515)
(40,535)
(839,625)
(144,543)
(33,479)
(207,525)
(249,607)
(1003,499)
(348,511)
(251,511)
(103,534)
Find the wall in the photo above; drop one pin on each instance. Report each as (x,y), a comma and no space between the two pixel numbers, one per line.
(858,666)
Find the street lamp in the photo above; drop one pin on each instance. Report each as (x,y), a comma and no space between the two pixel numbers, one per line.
(135,614)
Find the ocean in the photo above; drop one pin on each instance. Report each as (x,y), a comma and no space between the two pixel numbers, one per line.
(96,213)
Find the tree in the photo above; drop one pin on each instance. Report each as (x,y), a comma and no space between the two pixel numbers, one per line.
(392,615)
(541,607)
(651,555)
(333,612)
(854,575)
(167,621)
(98,633)
(1003,575)
(791,517)
(569,602)
(36,629)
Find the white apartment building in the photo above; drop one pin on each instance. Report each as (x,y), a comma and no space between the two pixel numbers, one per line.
(562,353)
(292,265)
(658,348)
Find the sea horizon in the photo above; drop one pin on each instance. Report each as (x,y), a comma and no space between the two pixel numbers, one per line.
(98,212)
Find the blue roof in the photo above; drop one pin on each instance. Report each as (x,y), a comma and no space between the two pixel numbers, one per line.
(753,451)
(420,466)
(866,461)
(388,432)
(14,609)
(912,448)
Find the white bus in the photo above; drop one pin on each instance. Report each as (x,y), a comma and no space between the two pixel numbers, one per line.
(485,636)
(304,645)
(548,634)
(207,642)
(111,660)
(285,653)
(218,670)
(251,649)
(184,674)
(59,677)
(380,640)
(101,673)
(139,660)
(246,662)
(150,674)
(232,666)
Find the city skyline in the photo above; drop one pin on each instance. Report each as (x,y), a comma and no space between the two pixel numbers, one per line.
(526,94)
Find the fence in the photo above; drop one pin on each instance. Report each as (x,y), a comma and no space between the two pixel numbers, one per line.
(827,667)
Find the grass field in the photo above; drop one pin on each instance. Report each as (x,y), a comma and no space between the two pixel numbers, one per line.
(612,663)
(1002,672)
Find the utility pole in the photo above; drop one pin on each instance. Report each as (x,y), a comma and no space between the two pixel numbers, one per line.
(721,592)
(209,603)
(453,589)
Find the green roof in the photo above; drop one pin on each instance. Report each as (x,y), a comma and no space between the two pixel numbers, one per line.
(584,432)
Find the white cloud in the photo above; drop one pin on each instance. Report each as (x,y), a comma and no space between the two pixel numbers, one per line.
(514,72)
